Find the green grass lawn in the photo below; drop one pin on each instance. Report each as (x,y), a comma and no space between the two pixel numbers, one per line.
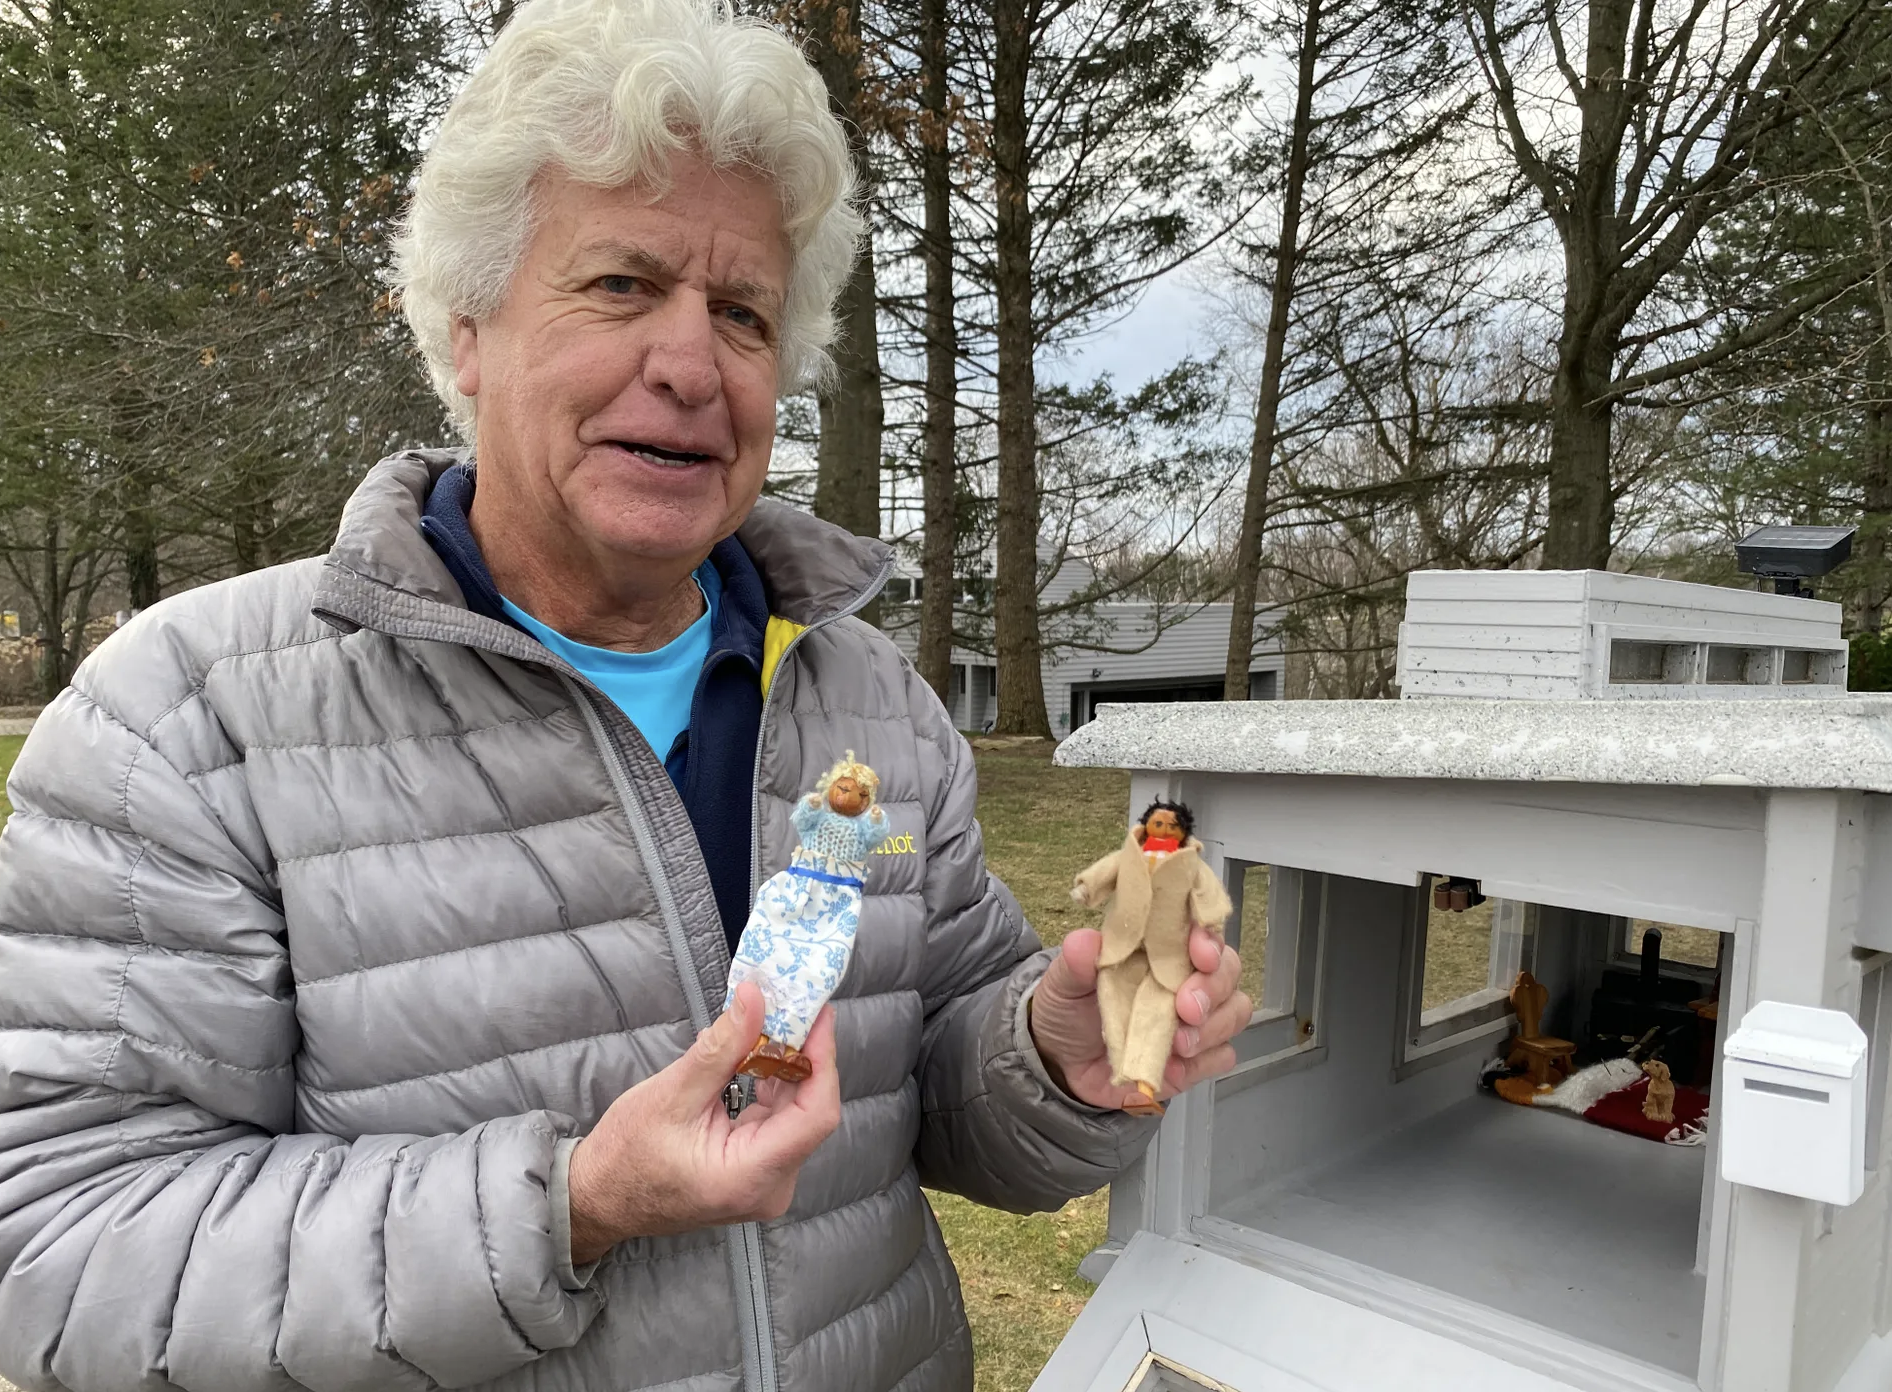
(1042,825)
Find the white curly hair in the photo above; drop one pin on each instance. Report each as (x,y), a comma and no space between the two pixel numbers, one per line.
(607,91)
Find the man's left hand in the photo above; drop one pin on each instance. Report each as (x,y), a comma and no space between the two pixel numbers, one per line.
(1211,1010)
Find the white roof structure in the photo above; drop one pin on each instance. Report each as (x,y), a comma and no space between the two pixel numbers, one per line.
(1842,743)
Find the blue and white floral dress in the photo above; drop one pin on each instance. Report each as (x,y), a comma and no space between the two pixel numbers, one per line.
(800,933)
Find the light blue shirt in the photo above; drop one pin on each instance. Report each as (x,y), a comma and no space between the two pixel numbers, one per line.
(654,689)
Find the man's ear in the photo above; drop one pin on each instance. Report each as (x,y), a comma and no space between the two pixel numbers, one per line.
(466,356)
(1139,831)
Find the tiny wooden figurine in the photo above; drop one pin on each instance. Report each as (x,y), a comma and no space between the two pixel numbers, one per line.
(1659,1105)
(800,933)
(1162,888)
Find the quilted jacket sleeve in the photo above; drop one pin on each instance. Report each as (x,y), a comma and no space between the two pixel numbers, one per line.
(161,1223)
(994,1127)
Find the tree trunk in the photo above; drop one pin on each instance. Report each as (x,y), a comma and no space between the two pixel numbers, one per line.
(847,463)
(55,665)
(1579,524)
(141,550)
(1875,530)
(1015,599)
(1582,507)
(940,484)
(1261,447)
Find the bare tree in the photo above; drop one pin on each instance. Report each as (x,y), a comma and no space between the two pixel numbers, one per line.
(1646,137)
(1366,106)
(852,408)
(940,467)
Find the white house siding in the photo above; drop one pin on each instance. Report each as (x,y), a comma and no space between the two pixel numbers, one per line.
(1185,662)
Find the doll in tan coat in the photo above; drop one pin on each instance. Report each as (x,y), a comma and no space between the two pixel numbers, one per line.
(1161,888)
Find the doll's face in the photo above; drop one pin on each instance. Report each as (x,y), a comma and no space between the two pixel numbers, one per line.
(1164,825)
(847,796)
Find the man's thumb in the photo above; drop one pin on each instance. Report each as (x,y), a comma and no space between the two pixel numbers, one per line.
(707,1066)
(1073,972)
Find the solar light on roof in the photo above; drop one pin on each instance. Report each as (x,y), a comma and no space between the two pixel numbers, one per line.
(1790,555)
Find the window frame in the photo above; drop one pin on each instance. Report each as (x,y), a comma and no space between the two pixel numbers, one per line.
(1429,1037)
(1284,1031)
(1623,957)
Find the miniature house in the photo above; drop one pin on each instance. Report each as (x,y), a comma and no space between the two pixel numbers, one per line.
(1705,883)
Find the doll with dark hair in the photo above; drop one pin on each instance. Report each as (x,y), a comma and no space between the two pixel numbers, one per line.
(1158,888)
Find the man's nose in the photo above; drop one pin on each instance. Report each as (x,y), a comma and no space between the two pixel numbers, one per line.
(680,360)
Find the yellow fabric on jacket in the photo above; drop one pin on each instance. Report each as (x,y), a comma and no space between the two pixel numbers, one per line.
(775,640)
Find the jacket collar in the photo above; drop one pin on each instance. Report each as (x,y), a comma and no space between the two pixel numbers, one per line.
(1131,848)
(383,574)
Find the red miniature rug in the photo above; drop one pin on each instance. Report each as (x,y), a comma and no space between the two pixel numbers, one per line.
(1622,1111)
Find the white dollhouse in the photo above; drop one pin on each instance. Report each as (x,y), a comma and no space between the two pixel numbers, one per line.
(1355,1208)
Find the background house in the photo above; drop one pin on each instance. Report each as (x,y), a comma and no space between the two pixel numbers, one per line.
(1116,650)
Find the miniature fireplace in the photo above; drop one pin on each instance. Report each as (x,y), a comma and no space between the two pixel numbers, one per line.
(1355,1209)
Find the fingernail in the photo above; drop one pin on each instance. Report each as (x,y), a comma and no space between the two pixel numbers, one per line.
(1187,1042)
(1202,1002)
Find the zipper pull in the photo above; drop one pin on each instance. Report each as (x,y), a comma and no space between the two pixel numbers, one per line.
(737,1095)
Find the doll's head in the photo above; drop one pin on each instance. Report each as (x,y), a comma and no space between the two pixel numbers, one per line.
(849,788)
(1168,821)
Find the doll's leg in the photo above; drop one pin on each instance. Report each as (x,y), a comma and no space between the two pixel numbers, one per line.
(764,957)
(1151,1037)
(1116,994)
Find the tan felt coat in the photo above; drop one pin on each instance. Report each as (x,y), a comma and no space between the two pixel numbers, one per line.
(1146,948)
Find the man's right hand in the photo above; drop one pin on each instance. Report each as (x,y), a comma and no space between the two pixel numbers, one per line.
(666,1158)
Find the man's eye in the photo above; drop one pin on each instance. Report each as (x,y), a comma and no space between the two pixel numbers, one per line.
(617,284)
(743,318)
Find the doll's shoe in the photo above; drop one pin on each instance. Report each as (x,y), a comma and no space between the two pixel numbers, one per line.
(772,1059)
(1145,1104)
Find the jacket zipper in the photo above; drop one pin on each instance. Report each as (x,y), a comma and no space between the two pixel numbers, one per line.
(759,1328)
(743,1241)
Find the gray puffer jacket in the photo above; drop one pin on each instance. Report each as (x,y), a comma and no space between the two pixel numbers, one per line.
(330,910)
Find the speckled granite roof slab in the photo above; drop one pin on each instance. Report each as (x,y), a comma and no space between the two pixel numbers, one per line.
(1833,743)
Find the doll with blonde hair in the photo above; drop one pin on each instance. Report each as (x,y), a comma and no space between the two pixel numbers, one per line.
(800,934)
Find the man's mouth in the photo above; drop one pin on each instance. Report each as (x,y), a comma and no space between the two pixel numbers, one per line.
(661,457)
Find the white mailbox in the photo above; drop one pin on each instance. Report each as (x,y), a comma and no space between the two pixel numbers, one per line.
(1794,1114)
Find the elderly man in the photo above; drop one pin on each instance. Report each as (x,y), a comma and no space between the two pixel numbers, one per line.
(360,919)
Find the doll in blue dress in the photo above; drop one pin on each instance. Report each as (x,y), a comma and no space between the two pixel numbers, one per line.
(800,933)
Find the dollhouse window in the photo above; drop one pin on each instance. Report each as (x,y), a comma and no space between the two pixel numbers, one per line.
(1683,946)
(1457,969)
(1166,1377)
(1278,928)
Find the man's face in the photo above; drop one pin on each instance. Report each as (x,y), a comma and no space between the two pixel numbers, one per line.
(1163,825)
(625,388)
(847,796)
